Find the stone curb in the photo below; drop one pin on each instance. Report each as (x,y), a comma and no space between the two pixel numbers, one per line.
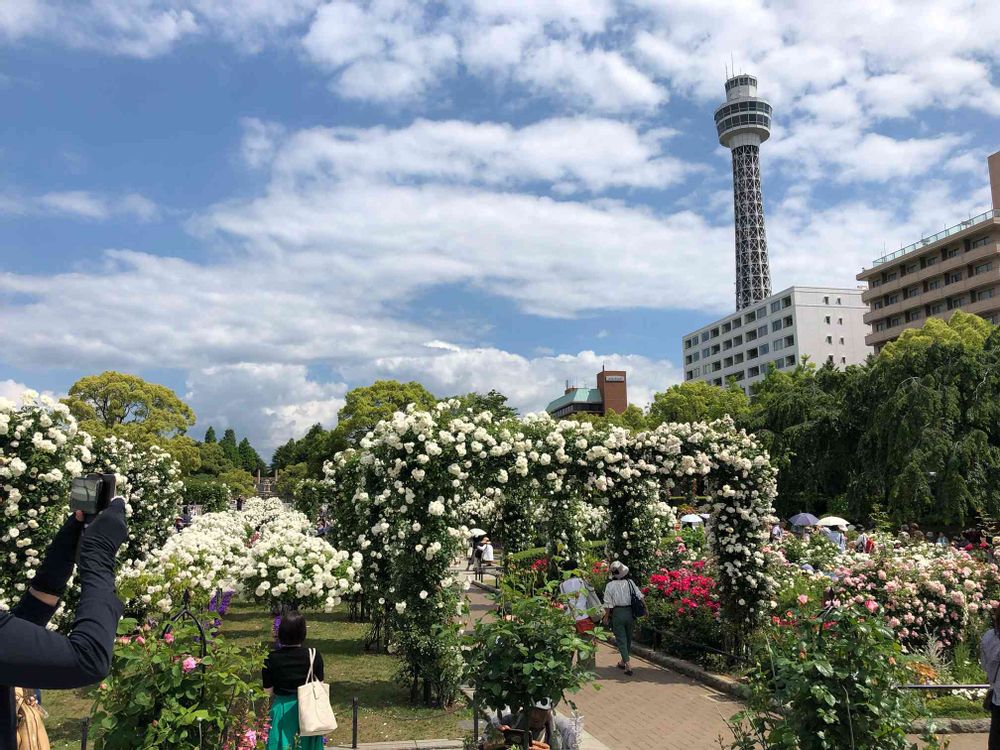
(738,690)
(407,745)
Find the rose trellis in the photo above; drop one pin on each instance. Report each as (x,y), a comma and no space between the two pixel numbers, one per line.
(415,482)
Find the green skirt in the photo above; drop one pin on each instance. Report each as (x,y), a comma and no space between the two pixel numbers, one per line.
(284,733)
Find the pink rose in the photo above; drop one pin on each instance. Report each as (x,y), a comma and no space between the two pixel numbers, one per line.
(803,598)
(168,637)
(870,605)
(189,664)
(140,640)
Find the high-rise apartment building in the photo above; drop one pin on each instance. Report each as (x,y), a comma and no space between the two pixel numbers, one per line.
(955,269)
(824,323)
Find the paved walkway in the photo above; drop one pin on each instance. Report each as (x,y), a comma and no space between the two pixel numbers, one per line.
(658,708)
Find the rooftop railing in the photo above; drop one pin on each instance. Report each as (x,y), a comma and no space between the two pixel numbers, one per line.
(923,242)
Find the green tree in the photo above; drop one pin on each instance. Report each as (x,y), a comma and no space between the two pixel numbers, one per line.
(114,400)
(230,448)
(185,451)
(697,401)
(239,481)
(493,402)
(210,435)
(250,460)
(963,329)
(290,479)
(213,459)
(633,418)
(367,406)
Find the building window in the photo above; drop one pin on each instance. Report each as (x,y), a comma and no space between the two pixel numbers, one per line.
(789,341)
(779,363)
(727,327)
(890,276)
(843,360)
(841,340)
(984,294)
(826,300)
(750,317)
(786,302)
(892,299)
(982,268)
(751,335)
(779,344)
(763,349)
(894,321)
(826,319)
(727,345)
(715,333)
(752,353)
(980,242)
(877,304)
(753,372)
(790,360)
(761,312)
(738,359)
(715,349)
(875,283)
(955,303)
(829,358)
(737,323)
(911,291)
(705,352)
(934,284)
(687,359)
(786,322)
(951,253)
(880,326)
(937,308)
(728,361)
(704,336)
(776,306)
(739,376)
(952,277)
(737,340)
(762,331)
(840,321)
(696,371)
(930,260)
(775,326)
(716,366)
(717,381)
(829,339)
(913,315)
(695,357)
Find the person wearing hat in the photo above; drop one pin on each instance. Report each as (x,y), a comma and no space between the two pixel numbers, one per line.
(485,550)
(618,610)
(545,727)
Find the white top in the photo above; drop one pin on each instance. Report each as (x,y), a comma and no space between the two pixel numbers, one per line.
(487,553)
(579,602)
(618,593)
(989,660)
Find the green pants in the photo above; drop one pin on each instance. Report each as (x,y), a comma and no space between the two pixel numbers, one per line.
(285,727)
(621,626)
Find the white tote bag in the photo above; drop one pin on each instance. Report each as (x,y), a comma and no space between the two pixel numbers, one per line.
(315,713)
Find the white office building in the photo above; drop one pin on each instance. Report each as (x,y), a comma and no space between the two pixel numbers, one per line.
(824,323)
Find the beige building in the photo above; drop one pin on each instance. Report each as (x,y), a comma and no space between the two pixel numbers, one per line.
(956,269)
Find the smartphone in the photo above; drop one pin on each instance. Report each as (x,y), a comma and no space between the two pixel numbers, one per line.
(516,738)
(92,493)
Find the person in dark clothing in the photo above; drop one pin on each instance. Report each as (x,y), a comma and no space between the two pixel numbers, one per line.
(35,658)
(287,668)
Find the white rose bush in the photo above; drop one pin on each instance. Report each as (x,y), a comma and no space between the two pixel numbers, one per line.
(41,451)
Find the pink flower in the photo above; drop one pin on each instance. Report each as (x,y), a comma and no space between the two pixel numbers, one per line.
(168,637)
(802,598)
(140,640)
(189,664)
(870,605)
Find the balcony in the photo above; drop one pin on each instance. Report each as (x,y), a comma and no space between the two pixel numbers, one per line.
(941,267)
(924,242)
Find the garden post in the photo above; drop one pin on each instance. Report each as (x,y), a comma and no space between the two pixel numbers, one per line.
(84,732)
(354,723)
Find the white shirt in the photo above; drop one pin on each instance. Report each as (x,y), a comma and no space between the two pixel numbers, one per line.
(579,602)
(487,553)
(618,593)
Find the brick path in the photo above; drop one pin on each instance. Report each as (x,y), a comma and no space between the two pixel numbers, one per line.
(658,708)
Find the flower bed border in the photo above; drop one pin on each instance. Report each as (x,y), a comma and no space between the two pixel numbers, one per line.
(736,689)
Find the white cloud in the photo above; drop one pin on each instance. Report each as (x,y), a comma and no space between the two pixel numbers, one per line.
(269,402)
(12,390)
(82,204)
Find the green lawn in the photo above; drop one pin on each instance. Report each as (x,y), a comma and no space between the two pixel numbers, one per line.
(385,713)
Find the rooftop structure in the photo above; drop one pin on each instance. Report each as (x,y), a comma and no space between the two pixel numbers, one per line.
(611,394)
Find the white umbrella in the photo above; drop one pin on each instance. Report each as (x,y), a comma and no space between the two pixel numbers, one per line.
(477,532)
(692,518)
(832,521)
(704,515)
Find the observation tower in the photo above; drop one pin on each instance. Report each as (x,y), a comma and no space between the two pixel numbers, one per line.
(743,123)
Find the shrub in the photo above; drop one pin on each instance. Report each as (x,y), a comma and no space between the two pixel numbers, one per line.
(834,675)
(162,694)
(211,494)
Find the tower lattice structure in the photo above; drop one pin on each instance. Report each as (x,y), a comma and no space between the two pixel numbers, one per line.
(743,123)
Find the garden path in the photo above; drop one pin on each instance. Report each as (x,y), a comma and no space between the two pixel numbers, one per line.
(656,707)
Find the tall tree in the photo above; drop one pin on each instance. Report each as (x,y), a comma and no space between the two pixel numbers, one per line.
(114,400)
(210,435)
(493,402)
(697,401)
(230,448)
(366,407)
(250,460)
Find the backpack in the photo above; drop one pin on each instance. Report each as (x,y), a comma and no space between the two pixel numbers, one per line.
(31,734)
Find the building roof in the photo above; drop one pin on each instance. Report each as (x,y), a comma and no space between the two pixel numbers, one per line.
(576,396)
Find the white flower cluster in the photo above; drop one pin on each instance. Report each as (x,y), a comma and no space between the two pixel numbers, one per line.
(41,451)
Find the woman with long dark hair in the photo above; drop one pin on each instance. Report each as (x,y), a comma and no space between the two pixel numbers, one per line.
(989,658)
(287,668)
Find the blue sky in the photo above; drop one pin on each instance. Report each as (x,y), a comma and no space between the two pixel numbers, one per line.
(263,204)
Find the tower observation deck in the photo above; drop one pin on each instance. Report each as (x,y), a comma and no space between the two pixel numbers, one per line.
(743,123)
